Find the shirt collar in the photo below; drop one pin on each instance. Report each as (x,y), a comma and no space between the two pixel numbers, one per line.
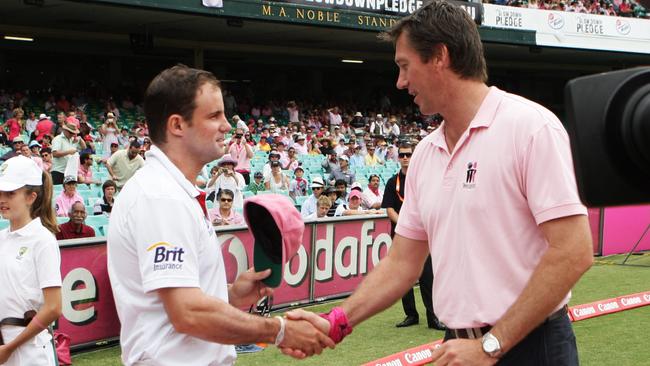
(483,118)
(29,229)
(158,156)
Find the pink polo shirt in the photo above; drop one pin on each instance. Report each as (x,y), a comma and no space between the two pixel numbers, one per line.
(238,152)
(479,208)
(63,203)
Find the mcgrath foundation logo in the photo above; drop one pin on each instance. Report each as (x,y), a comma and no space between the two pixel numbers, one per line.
(623,27)
(21,253)
(555,21)
(166,256)
(470,177)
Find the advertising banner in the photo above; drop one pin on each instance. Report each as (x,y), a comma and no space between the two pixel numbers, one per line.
(573,30)
(88,308)
(624,227)
(237,250)
(347,249)
(345,252)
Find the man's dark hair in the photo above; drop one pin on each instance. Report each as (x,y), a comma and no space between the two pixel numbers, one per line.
(340,182)
(108,183)
(405,145)
(173,91)
(83,157)
(440,22)
(135,143)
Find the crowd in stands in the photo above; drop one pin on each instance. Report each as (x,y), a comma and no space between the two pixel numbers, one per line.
(623,8)
(330,161)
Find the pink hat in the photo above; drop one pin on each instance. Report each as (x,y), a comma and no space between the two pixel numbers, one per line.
(354,193)
(277,228)
(227,159)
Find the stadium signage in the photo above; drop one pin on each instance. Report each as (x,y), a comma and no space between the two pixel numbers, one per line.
(573,30)
(324,16)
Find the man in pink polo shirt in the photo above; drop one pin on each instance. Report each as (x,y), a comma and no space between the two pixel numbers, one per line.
(243,153)
(491,195)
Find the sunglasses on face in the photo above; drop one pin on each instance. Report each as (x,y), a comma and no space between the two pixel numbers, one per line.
(405,155)
(317,189)
(225,199)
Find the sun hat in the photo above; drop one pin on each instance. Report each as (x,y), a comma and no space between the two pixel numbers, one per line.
(18,172)
(277,228)
(70,127)
(43,116)
(227,159)
(317,182)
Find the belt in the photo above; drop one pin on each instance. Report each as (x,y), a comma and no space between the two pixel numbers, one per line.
(471,333)
(20,322)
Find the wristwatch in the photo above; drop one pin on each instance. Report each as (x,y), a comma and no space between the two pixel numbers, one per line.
(491,345)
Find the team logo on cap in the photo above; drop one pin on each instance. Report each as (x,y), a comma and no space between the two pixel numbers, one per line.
(3,167)
(470,177)
(166,256)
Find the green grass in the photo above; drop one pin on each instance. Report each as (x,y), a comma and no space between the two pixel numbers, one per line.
(617,339)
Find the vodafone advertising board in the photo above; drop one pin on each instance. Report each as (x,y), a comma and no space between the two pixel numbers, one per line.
(347,250)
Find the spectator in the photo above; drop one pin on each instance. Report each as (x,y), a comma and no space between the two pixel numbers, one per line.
(64,145)
(343,172)
(273,156)
(109,132)
(26,152)
(257,184)
(330,163)
(242,153)
(224,214)
(122,138)
(292,162)
(341,187)
(334,117)
(298,186)
(76,227)
(239,123)
(333,196)
(353,206)
(371,158)
(14,125)
(372,196)
(210,191)
(85,174)
(263,145)
(45,126)
(310,204)
(104,205)
(324,205)
(17,146)
(358,123)
(278,181)
(293,110)
(68,197)
(30,124)
(46,155)
(228,178)
(124,163)
(357,159)
(300,146)
(35,147)
(394,127)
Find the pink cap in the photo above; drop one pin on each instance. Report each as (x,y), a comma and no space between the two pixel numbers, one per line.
(277,228)
(354,193)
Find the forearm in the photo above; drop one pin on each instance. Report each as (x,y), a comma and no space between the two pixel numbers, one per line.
(557,272)
(392,215)
(48,313)
(393,276)
(59,153)
(214,320)
(110,170)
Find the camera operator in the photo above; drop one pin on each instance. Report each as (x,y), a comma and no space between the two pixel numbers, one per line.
(228,178)
(242,152)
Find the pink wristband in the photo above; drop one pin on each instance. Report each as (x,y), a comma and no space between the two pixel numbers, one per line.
(38,322)
(339,326)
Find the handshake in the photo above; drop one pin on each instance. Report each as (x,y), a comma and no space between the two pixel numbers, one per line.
(303,334)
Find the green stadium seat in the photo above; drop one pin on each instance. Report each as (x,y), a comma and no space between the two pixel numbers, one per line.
(4,224)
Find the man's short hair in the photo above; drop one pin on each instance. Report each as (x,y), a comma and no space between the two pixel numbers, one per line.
(71,210)
(440,22)
(323,200)
(135,144)
(340,182)
(173,91)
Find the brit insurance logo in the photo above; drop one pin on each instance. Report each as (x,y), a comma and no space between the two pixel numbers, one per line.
(166,256)
(470,176)
(555,21)
(623,27)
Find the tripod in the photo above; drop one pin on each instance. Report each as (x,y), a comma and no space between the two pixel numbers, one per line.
(636,245)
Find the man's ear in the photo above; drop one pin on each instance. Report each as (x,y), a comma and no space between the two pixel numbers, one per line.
(176,125)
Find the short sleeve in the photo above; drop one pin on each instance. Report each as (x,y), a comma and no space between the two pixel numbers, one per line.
(112,158)
(166,244)
(47,260)
(57,144)
(389,194)
(548,175)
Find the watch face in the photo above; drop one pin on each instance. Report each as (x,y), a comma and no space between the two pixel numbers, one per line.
(490,345)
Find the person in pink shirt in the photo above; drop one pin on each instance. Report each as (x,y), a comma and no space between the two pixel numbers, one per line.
(68,197)
(85,173)
(43,127)
(491,195)
(15,125)
(224,214)
(46,156)
(243,153)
